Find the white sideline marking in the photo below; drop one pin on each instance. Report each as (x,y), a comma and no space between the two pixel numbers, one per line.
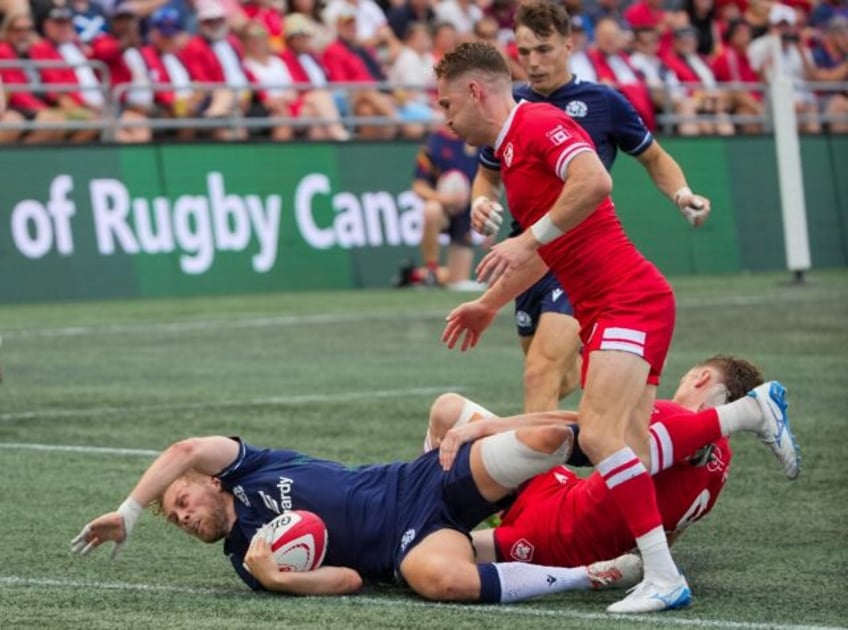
(521,611)
(249,402)
(339,318)
(70,448)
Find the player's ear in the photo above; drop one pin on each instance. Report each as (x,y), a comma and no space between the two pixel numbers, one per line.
(704,378)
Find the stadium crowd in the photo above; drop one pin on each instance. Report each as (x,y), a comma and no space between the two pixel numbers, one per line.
(364,68)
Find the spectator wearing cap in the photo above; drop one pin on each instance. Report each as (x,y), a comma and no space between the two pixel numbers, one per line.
(693,69)
(756,13)
(276,93)
(612,67)
(88,101)
(794,61)
(17,34)
(345,62)
(120,50)
(313,11)
(269,14)
(652,14)
(214,56)
(372,27)
(831,58)
(161,56)
(733,66)
(462,14)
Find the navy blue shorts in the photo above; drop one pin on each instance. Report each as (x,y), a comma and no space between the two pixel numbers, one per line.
(546,296)
(430,499)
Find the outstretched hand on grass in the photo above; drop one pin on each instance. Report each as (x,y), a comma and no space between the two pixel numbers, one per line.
(102,529)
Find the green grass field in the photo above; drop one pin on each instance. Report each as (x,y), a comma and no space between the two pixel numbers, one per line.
(350,376)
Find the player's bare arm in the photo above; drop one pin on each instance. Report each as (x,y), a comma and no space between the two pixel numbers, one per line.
(259,561)
(206,455)
(669,178)
(587,184)
(472,318)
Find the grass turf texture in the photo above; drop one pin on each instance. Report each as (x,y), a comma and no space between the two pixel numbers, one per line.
(350,376)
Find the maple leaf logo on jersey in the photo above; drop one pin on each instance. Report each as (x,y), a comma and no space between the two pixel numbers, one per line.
(577,109)
(508,154)
(558,135)
(522,551)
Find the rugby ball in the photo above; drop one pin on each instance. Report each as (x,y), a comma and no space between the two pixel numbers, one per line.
(453,182)
(298,540)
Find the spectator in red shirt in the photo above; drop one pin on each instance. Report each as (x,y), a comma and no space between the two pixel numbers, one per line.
(344,65)
(120,50)
(16,38)
(612,67)
(161,57)
(733,66)
(88,101)
(691,68)
(270,16)
(215,56)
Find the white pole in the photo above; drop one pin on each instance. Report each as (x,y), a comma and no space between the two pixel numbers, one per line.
(791,182)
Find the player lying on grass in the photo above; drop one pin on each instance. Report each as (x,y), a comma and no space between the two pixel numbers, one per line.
(406,520)
(564,520)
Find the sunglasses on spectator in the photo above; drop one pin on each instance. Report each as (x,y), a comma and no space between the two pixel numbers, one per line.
(26,28)
(487,34)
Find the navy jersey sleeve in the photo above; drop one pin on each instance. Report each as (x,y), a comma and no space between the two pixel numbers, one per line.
(629,131)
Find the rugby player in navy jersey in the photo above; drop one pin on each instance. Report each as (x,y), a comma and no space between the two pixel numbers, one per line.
(547,331)
(408,521)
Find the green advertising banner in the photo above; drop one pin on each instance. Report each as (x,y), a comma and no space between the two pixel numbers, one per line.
(191,219)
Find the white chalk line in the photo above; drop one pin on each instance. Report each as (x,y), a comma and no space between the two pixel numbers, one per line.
(353,318)
(273,401)
(74,448)
(665,619)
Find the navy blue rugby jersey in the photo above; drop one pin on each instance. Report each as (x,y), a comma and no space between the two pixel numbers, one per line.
(605,114)
(358,506)
(445,152)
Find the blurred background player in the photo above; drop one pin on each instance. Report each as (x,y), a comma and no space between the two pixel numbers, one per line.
(547,331)
(444,168)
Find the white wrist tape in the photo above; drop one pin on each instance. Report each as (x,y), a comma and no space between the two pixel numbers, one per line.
(130,510)
(680,194)
(479,200)
(545,230)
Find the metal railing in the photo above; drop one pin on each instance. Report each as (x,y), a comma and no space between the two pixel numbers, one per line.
(109,120)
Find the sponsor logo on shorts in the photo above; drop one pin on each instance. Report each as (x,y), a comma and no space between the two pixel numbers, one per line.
(523,319)
(522,550)
(556,294)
